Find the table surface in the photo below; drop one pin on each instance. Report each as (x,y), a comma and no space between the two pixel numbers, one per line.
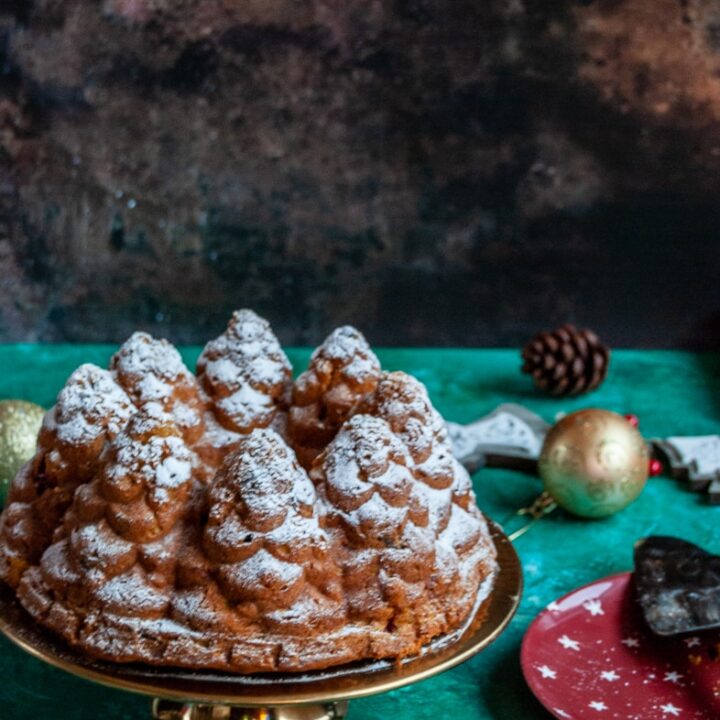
(673,393)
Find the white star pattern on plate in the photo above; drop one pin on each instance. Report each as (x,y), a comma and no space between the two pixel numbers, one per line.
(672,677)
(596,661)
(553,606)
(594,607)
(569,644)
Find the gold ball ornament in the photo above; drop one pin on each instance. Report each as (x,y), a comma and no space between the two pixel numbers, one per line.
(19,427)
(594,463)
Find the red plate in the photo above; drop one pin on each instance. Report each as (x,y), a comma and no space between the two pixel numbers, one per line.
(590,656)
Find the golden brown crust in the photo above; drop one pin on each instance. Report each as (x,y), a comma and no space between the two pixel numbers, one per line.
(167,520)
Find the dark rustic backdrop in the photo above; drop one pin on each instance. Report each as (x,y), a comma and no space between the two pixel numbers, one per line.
(455,172)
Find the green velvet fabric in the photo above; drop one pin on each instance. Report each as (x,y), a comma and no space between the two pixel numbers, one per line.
(671,392)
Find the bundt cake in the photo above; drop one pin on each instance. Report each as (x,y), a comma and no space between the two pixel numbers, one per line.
(237,521)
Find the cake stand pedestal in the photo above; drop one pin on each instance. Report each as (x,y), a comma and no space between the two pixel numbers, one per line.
(174,710)
(320,695)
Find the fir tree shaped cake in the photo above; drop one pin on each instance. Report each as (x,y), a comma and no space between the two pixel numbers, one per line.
(90,410)
(246,374)
(342,372)
(403,549)
(152,371)
(110,569)
(220,521)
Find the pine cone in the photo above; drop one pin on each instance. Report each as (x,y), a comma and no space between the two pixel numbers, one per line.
(566,361)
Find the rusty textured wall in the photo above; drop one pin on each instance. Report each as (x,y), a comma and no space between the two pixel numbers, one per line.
(436,172)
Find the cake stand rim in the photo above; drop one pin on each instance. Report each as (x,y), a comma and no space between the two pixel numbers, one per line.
(286,689)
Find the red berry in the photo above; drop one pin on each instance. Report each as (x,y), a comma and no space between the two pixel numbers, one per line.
(655,467)
(633,420)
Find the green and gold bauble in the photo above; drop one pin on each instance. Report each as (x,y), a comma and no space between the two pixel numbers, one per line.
(19,427)
(594,463)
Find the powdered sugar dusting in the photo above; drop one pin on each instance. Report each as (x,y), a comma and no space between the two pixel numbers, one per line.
(437,501)
(365,456)
(298,529)
(264,570)
(99,545)
(348,348)
(305,608)
(261,501)
(173,471)
(147,475)
(403,401)
(165,462)
(90,404)
(132,592)
(157,627)
(147,361)
(376,513)
(246,406)
(461,525)
(262,471)
(217,436)
(245,372)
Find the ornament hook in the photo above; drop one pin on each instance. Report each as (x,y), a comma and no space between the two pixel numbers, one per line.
(542,506)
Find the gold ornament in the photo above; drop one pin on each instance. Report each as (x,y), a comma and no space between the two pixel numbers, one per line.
(19,427)
(594,463)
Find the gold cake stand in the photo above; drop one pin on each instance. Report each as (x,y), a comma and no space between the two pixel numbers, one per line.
(190,695)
